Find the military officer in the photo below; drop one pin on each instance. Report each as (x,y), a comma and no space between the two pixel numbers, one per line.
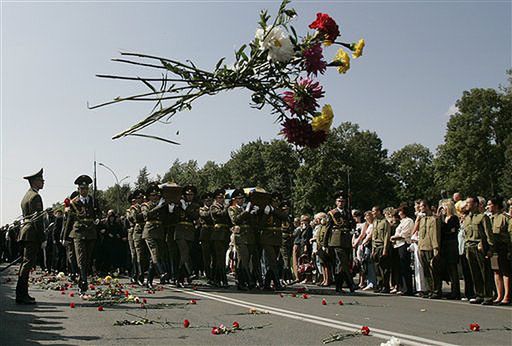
(500,261)
(429,241)
(478,241)
(153,233)
(381,248)
(133,197)
(205,233)
(81,227)
(339,241)
(287,227)
(141,250)
(242,229)
(31,235)
(219,237)
(188,211)
(271,236)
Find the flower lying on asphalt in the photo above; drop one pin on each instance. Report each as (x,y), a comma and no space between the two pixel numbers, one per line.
(186,323)
(474,327)
(365,330)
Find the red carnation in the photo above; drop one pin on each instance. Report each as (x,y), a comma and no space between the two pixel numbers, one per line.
(67,202)
(305,296)
(100,308)
(72,305)
(62,292)
(326,26)
(193,302)
(186,323)
(92,287)
(236,325)
(144,300)
(365,330)
(215,331)
(71,294)
(475,327)
(340,302)
(324,302)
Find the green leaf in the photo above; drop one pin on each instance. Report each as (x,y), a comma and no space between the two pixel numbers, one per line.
(219,63)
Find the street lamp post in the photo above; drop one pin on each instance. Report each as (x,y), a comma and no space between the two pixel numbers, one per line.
(117,183)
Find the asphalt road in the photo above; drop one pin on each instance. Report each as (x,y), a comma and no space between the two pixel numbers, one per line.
(281,318)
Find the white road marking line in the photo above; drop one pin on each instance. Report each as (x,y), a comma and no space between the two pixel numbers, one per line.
(380,333)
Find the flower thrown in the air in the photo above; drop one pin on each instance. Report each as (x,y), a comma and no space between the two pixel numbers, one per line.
(327,28)
(357,48)
(314,60)
(342,60)
(323,121)
(303,98)
(277,42)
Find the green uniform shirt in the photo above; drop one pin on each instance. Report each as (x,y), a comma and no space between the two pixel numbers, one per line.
(33,226)
(221,221)
(501,229)
(429,233)
(153,228)
(187,220)
(81,219)
(381,233)
(240,218)
(272,232)
(477,228)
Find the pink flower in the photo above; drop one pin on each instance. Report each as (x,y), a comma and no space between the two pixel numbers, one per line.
(303,98)
(314,60)
(365,330)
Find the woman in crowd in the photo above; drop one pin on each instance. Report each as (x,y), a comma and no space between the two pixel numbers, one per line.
(450,224)
(419,278)
(500,260)
(401,242)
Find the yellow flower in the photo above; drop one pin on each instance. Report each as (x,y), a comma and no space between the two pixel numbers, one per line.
(358,48)
(108,279)
(327,43)
(323,121)
(343,59)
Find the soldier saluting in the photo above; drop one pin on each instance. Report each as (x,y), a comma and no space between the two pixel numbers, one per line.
(81,227)
(31,235)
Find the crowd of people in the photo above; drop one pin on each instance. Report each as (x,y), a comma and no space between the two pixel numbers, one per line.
(253,236)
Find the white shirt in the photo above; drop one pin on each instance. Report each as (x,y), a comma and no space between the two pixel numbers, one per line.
(404,230)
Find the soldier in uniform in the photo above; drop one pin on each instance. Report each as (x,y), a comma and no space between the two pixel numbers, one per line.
(242,229)
(188,216)
(271,236)
(31,235)
(429,241)
(205,233)
(133,197)
(339,241)
(81,227)
(219,237)
(153,233)
(479,239)
(141,250)
(287,228)
(500,261)
(381,249)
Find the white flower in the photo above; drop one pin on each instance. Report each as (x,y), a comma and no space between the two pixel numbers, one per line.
(391,342)
(277,42)
(61,276)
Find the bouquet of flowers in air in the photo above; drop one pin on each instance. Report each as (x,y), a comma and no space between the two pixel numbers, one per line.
(277,66)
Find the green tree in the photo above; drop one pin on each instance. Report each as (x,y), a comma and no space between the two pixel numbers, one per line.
(184,173)
(350,158)
(413,171)
(473,158)
(115,198)
(213,176)
(142,179)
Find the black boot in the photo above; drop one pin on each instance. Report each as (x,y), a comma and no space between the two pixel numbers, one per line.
(151,276)
(277,284)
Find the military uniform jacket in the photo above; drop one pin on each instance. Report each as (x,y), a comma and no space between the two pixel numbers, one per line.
(429,233)
(187,220)
(153,227)
(240,218)
(381,233)
(339,225)
(32,229)
(272,232)
(137,220)
(81,217)
(501,230)
(205,223)
(286,233)
(221,221)
(477,229)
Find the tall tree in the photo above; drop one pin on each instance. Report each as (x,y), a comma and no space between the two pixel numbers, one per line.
(143,180)
(477,141)
(413,171)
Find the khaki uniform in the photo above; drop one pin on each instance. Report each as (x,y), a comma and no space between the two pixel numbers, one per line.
(205,233)
(501,248)
(286,249)
(184,235)
(31,236)
(219,239)
(270,240)
(429,241)
(82,229)
(240,218)
(381,241)
(479,240)
(154,236)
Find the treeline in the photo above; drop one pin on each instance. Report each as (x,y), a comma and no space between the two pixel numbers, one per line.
(475,158)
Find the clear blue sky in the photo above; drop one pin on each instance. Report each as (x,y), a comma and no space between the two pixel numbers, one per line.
(420,56)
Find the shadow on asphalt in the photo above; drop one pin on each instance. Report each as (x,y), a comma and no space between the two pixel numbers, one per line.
(31,324)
